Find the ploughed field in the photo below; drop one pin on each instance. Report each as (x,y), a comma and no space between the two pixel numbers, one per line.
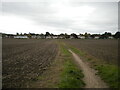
(101,49)
(23,60)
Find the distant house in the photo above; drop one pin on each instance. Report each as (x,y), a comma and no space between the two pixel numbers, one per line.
(42,37)
(81,37)
(5,36)
(33,36)
(110,37)
(55,37)
(96,37)
(61,37)
(9,36)
(48,37)
(78,36)
(71,37)
(38,37)
(21,37)
(89,37)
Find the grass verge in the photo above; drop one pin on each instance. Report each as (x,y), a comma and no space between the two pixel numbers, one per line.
(71,76)
(107,72)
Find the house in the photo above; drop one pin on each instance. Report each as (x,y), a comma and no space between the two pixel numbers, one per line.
(42,37)
(38,37)
(33,36)
(21,37)
(9,36)
(110,37)
(55,37)
(71,37)
(96,37)
(61,37)
(48,37)
(81,37)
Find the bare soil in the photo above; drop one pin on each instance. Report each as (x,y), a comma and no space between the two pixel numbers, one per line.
(102,49)
(91,80)
(23,60)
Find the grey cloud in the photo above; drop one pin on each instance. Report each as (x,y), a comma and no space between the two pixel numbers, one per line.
(104,18)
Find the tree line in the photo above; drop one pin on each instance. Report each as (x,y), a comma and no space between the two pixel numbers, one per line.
(65,35)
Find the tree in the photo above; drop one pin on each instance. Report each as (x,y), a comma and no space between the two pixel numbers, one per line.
(86,35)
(117,35)
(74,35)
(62,34)
(106,35)
(66,35)
(25,33)
(17,33)
(21,34)
(47,34)
(52,34)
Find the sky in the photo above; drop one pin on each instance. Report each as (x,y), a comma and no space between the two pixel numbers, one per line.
(58,16)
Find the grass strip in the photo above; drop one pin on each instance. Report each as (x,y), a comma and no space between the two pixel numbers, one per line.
(71,76)
(109,73)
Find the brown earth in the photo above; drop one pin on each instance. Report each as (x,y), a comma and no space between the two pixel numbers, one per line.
(23,60)
(105,50)
(51,77)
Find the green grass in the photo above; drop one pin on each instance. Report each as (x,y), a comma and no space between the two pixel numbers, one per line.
(77,51)
(109,73)
(71,76)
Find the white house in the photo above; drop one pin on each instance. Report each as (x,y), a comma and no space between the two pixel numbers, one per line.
(110,37)
(61,37)
(81,37)
(96,37)
(71,37)
(34,36)
(48,37)
(21,37)
(54,37)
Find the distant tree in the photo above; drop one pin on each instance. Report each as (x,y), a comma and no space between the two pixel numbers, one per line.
(25,33)
(17,33)
(47,34)
(87,35)
(21,34)
(93,36)
(66,35)
(32,34)
(81,34)
(74,35)
(117,35)
(52,34)
(105,35)
(41,34)
(62,34)
(29,35)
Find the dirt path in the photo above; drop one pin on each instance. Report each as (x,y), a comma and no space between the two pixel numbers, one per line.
(91,80)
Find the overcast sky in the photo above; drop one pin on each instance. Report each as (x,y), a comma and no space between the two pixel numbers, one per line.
(58,16)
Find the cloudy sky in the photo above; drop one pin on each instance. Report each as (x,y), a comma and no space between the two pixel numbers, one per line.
(58,16)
